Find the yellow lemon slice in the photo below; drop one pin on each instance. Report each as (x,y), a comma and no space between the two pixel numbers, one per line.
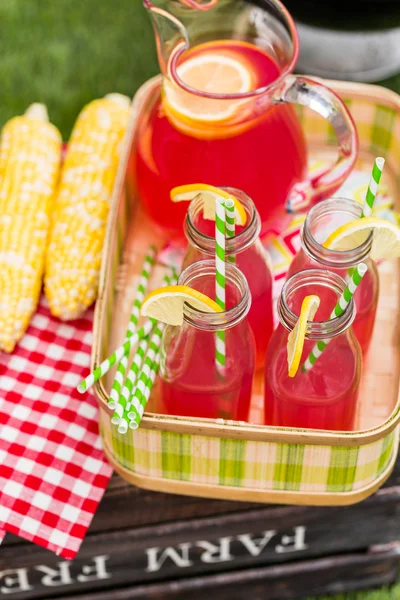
(385,243)
(213,73)
(295,343)
(166,304)
(209,193)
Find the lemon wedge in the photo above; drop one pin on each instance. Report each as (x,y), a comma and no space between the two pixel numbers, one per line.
(213,73)
(295,343)
(209,194)
(166,304)
(385,243)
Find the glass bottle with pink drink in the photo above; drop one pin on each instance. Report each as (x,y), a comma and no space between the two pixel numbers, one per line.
(325,395)
(247,252)
(193,384)
(320,222)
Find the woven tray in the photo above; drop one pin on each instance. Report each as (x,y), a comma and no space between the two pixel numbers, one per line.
(249,461)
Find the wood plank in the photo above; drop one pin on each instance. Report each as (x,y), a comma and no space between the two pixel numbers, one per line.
(297,580)
(126,506)
(195,547)
(161,508)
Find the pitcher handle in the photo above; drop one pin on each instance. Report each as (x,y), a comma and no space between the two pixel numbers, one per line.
(314,95)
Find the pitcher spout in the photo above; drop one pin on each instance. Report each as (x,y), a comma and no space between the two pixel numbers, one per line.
(170,34)
(171,19)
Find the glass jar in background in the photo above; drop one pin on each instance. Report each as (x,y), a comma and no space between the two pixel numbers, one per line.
(322,220)
(324,397)
(192,383)
(247,252)
(365,46)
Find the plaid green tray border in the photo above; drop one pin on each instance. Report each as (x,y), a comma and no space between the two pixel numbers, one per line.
(251,465)
(378,127)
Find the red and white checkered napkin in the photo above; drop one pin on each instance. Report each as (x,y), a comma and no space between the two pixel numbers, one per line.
(52,469)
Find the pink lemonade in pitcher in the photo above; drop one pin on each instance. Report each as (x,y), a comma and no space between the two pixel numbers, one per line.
(224,111)
(324,396)
(171,151)
(246,251)
(192,383)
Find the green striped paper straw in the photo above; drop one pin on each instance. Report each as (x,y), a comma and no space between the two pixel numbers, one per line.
(371,194)
(230,218)
(339,309)
(230,224)
(167,280)
(116,356)
(120,416)
(133,322)
(136,415)
(130,382)
(220,281)
(373,186)
(145,374)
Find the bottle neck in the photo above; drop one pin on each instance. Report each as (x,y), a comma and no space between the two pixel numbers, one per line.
(323,219)
(201,276)
(317,278)
(234,245)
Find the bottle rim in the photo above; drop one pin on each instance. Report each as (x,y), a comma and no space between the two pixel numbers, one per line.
(315,329)
(234,245)
(220,320)
(334,259)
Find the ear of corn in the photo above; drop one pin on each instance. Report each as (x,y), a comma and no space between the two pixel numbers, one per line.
(82,206)
(30,155)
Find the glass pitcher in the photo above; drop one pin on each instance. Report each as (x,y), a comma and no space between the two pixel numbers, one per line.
(224,113)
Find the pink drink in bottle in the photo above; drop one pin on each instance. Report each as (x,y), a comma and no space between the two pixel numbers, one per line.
(324,397)
(246,250)
(192,384)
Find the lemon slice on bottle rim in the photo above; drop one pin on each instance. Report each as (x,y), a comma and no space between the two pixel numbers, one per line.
(385,242)
(166,304)
(209,194)
(295,342)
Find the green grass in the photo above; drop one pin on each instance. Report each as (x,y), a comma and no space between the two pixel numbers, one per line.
(392,593)
(67,52)
(393,83)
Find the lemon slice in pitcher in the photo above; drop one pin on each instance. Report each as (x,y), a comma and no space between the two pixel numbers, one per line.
(209,194)
(213,73)
(295,343)
(385,243)
(166,304)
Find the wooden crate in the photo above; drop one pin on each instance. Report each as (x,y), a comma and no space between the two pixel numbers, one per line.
(144,544)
